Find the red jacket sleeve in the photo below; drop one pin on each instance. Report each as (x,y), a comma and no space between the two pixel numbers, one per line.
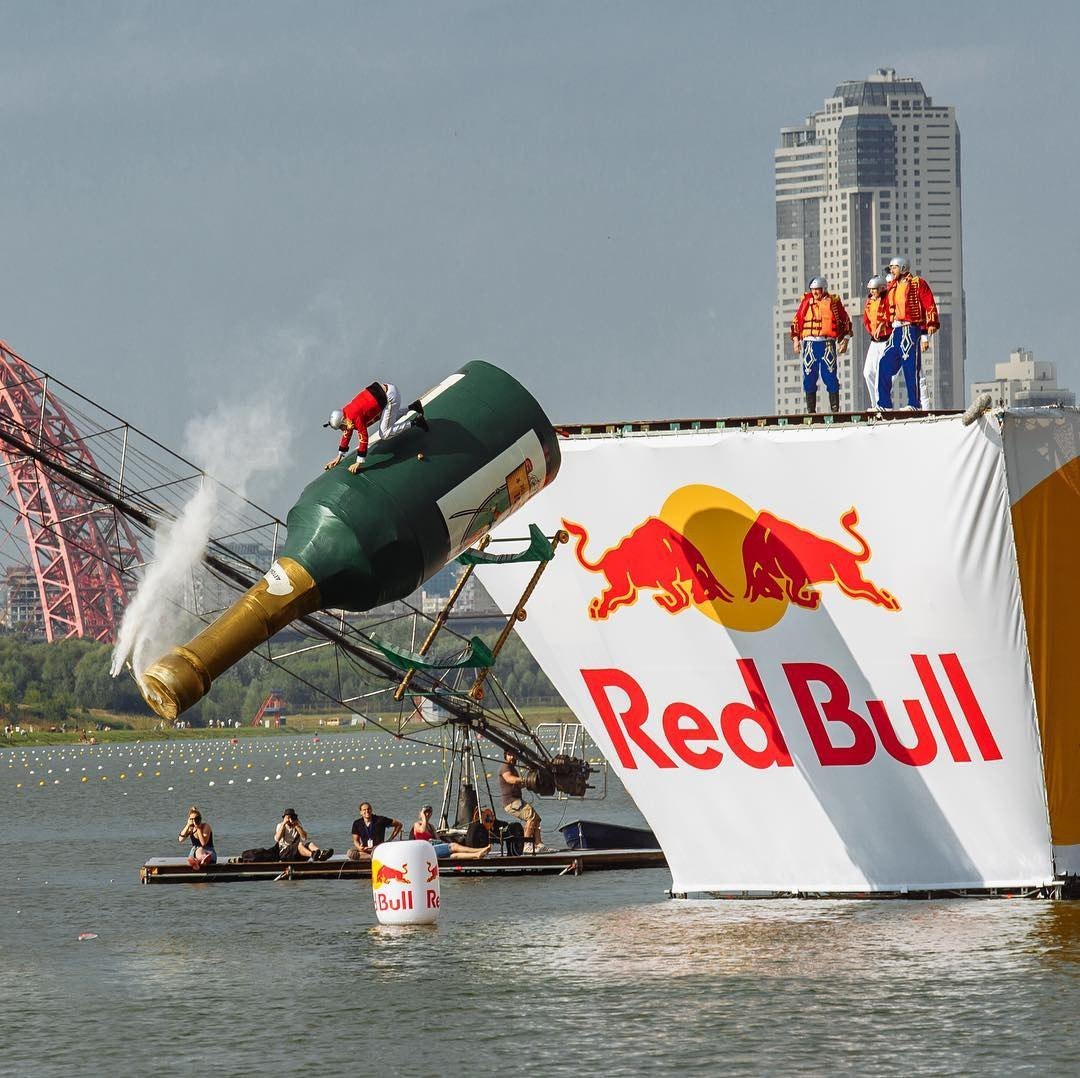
(843,320)
(800,317)
(929,305)
(866,319)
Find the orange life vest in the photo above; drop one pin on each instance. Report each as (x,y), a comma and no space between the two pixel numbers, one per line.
(823,317)
(876,318)
(911,300)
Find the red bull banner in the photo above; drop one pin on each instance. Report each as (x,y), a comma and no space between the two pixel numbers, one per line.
(803,650)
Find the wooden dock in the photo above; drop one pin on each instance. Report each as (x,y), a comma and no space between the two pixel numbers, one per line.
(558,863)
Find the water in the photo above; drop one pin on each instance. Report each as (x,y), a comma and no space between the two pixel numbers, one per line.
(596,974)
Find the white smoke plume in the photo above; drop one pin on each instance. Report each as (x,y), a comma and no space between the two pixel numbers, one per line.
(232,445)
(246,442)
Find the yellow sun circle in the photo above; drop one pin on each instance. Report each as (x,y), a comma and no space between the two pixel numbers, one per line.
(716,522)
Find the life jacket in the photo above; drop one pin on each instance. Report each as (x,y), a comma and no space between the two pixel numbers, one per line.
(823,317)
(910,300)
(876,318)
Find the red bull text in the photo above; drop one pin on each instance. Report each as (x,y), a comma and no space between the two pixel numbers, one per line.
(685,736)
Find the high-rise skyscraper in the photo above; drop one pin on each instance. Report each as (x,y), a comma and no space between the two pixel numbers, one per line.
(873,174)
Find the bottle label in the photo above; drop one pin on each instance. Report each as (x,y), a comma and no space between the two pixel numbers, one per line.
(478,503)
(277,580)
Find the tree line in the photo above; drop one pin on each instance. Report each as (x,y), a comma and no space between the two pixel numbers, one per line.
(56,683)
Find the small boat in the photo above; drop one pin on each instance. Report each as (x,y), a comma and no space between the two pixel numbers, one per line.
(594,835)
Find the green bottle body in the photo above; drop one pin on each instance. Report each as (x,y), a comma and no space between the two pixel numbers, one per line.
(422,497)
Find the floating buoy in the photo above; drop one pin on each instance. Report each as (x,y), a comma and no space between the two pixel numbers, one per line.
(405,883)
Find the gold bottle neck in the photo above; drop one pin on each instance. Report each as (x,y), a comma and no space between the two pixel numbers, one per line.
(184,674)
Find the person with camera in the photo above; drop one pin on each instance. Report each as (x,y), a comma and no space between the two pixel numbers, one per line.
(201,836)
(293,842)
(512,786)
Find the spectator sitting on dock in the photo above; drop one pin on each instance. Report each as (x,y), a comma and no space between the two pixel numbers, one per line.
(369,830)
(512,786)
(423,827)
(481,831)
(293,843)
(201,834)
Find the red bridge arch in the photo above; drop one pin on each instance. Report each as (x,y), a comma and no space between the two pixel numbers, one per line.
(77,546)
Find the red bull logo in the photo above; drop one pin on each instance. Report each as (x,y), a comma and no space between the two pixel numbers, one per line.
(383,874)
(652,556)
(710,550)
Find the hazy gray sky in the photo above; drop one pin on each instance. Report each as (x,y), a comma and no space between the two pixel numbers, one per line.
(280,201)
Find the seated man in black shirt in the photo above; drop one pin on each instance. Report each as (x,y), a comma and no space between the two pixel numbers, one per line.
(369,830)
(481,831)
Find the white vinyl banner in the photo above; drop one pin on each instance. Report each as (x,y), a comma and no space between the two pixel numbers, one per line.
(802,650)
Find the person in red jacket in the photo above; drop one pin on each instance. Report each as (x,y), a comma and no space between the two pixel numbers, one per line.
(821,329)
(380,401)
(913,313)
(878,325)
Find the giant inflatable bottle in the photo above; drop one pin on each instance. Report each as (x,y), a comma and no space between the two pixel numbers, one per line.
(358,541)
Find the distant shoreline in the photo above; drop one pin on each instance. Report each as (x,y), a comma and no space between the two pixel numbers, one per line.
(135,728)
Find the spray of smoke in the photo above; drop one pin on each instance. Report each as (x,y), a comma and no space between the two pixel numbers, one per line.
(241,444)
(233,445)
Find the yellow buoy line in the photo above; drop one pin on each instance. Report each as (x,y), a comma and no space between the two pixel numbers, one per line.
(218,764)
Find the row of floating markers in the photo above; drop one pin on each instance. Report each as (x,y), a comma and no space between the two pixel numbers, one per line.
(149,761)
(230,782)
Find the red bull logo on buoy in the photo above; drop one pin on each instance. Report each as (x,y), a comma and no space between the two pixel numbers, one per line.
(741,567)
(382,874)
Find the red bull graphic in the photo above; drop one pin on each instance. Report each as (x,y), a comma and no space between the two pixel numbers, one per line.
(710,550)
(653,556)
(780,558)
(841,736)
(383,874)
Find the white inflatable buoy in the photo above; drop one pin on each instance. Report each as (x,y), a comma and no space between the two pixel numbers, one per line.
(405,883)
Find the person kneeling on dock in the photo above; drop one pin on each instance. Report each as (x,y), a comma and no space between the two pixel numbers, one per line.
(512,786)
(201,834)
(293,843)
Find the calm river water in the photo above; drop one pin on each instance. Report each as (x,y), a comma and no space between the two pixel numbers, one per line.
(601,974)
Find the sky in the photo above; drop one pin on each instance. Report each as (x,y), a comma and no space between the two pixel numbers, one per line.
(269,205)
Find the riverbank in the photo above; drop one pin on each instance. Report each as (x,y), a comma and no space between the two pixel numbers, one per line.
(105,727)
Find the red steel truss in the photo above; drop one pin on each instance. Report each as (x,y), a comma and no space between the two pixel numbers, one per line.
(77,545)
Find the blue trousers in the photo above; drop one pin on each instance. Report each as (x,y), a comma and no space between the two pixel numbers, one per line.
(819,357)
(903,352)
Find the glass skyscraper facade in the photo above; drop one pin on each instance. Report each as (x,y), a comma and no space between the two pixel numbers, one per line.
(873,174)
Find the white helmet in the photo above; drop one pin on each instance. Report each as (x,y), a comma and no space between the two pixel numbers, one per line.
(876,282)
(819,282)
(337,417)
(900,261)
